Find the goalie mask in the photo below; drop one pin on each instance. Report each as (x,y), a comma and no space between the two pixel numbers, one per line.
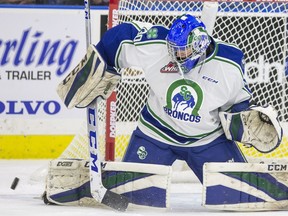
(187,42)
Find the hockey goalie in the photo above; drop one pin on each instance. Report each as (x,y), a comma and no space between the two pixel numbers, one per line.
(199,106)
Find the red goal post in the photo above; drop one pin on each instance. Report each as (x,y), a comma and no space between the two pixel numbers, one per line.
(259,28)
(110,134)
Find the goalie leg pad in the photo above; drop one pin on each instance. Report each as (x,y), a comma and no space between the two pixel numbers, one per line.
(67,183)
(245,186)
(143,184)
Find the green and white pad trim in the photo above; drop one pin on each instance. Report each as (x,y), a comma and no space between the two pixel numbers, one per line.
(246,186)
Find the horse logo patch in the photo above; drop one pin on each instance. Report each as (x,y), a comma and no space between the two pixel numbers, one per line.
(184,99)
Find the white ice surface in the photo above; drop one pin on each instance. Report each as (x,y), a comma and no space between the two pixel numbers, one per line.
(25,199)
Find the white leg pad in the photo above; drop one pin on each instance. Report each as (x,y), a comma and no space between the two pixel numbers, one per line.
(246,186)
(144,184)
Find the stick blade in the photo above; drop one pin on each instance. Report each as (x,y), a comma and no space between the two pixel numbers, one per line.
(115,201)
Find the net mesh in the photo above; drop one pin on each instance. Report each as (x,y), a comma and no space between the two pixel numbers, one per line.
(258,28)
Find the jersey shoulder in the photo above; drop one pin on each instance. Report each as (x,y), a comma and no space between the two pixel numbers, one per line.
(137,31)
(230,53)
(150,32)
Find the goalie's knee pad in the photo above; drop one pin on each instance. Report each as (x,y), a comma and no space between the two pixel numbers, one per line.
(143,184)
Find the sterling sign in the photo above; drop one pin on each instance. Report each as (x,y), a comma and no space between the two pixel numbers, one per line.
(36,54)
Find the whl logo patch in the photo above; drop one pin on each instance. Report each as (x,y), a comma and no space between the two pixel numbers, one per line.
(171,67)
(183,101)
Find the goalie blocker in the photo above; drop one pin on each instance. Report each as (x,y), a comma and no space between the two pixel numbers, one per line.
(90,79)
(68,183)
(258,127)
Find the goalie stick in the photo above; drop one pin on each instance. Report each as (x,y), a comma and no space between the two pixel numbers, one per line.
(98,191)
(208,15)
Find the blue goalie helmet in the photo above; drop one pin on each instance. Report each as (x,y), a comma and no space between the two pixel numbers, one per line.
(187,41)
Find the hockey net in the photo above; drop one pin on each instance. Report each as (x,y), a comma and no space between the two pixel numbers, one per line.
(259,28)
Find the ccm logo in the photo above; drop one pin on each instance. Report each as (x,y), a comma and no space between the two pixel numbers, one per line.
(277,167)
(64,163)
(93,140)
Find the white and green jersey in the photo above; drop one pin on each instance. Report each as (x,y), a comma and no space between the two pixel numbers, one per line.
(179,111)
